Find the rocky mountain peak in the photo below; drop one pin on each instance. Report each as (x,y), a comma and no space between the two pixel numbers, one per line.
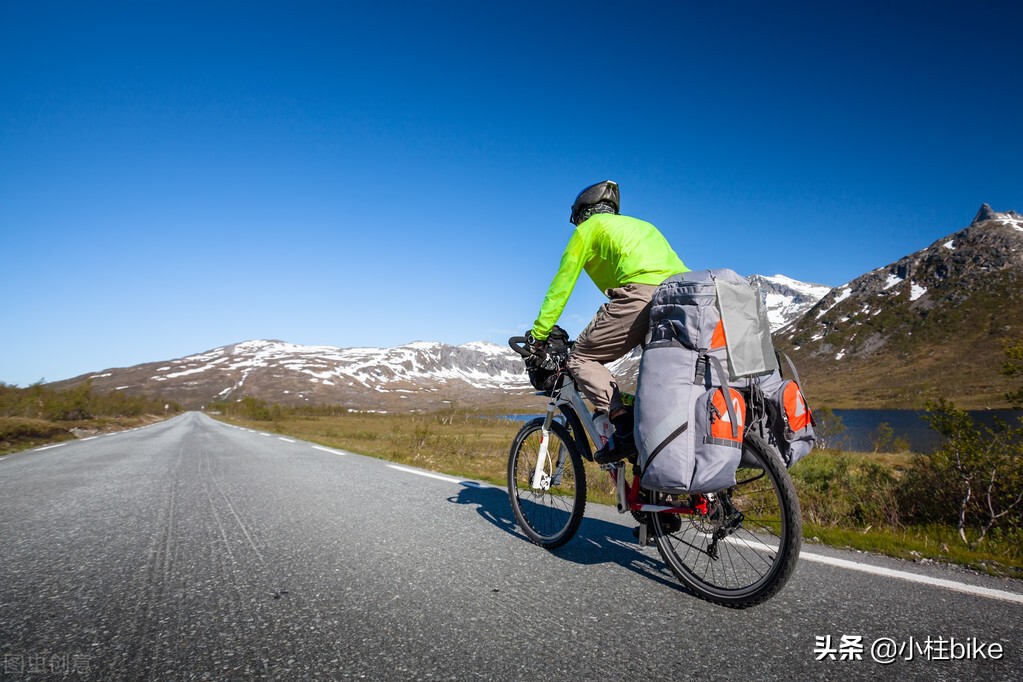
(986,213)
(930,323)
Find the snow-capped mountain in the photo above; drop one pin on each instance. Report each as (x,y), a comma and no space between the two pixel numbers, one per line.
(420,375)
(931,324)
(787,299)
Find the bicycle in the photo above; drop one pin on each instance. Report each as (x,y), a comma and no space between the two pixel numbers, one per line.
(736,547)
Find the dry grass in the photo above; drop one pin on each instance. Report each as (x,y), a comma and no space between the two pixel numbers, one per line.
(461,444)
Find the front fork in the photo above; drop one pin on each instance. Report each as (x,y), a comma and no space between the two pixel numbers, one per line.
(542,480)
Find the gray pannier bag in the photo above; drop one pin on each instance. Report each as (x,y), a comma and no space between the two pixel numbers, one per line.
(689,415)
(789,418)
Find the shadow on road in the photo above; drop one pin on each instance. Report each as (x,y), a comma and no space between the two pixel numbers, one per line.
(596,542)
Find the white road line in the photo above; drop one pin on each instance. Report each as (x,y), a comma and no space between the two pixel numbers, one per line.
(50,447)
(265,434)
(914,577)
(439,477)
(333,452)
(90,438)
(286,440)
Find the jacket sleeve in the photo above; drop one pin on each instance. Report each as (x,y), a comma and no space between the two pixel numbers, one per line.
(561,287)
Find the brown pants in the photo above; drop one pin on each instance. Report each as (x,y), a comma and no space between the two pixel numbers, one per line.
(619,326)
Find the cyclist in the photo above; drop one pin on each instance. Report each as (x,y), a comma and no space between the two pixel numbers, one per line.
(626,258)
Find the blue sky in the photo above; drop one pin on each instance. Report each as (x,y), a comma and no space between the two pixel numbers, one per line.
(179,176)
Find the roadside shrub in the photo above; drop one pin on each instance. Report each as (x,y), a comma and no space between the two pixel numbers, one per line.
(77,403)
(973,481)
(840,490)
(828,429)
(15,431)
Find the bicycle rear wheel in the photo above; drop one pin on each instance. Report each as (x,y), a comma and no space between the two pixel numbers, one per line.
(548,502)
(743,550)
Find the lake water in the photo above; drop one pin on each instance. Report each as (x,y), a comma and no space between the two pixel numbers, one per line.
(861,426)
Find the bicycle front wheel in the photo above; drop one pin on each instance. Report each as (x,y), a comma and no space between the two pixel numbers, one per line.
(744,548)
(546,484)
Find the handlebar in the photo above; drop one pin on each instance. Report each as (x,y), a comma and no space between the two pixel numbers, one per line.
(518,344)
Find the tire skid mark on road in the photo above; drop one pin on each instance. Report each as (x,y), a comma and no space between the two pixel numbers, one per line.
(155,582)
(216,517)
(237,518)
(168,555)
(226,563)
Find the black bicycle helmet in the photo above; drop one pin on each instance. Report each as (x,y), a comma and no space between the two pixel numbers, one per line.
(601,193)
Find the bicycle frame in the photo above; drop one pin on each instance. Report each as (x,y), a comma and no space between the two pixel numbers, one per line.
(568,399)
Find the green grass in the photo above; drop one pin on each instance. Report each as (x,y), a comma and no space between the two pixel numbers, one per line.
(924,543)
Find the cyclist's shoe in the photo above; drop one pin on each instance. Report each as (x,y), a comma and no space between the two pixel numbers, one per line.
(617,448)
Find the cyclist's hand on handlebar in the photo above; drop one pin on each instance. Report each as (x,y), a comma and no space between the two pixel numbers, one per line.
(535,347)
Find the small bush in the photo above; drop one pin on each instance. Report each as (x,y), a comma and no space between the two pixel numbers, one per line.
(18,432)
(973,481)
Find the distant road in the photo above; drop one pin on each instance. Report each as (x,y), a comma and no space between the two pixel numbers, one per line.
(191,549)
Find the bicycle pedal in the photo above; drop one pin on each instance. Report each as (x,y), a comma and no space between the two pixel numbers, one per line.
(638,533)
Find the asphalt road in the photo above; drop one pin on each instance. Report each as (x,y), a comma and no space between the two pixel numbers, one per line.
(195,550)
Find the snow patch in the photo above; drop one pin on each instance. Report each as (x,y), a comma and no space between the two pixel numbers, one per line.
(916,291)
(1010,220)
(893,280)
(950,245)
(485,347)
(843,293)
(183,373)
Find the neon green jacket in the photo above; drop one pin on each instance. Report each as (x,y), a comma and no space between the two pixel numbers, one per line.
(615,250)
